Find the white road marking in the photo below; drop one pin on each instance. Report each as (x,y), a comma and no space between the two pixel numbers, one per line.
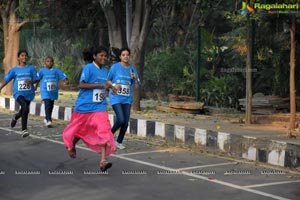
(204,166)
(236,186)
(166,168)
(273,183)
(142,152)
(202,178)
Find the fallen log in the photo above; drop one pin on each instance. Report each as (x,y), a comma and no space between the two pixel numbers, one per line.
(177,110)
(187,105)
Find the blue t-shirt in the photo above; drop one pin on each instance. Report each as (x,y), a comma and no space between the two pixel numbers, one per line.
(20,74)
(92,100)
(122,75)
(49,82)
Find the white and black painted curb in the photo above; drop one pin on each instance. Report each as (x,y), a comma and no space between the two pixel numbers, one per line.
(256,149)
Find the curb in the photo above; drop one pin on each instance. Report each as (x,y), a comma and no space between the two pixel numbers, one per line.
(272,152)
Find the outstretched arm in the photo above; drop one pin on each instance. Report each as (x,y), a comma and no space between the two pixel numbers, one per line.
(36,85)
(114,87)
(2,85)
(29,82)
(84,85)
(66,81)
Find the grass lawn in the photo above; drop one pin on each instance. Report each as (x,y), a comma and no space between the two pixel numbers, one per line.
(65,98)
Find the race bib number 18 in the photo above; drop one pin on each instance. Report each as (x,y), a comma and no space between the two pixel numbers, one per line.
(51,86)
(22,86)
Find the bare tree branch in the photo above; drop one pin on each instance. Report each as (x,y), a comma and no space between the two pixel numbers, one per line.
(146,23)
(191,21)
(8,6)
(19,26)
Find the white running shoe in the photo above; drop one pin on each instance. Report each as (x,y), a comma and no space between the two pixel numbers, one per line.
(25,133)
(47,123)
(120,145)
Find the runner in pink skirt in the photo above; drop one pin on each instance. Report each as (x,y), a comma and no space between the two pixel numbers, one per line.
(89,121)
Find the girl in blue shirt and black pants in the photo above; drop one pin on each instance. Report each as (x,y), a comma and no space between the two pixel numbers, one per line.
(49,78)
(25,76)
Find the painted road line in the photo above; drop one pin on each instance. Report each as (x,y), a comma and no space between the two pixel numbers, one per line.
(235,186)
(169,169)
(142,152)
(204,166)
(273,183)
(203,178)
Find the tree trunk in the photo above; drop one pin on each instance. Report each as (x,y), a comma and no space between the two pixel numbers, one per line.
(114,22)
(137,60)
(10,59)
(140,30)
(128,21)
(248,74)
(292,77)
(11,30)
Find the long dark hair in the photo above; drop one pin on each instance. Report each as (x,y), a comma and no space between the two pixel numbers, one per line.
(115,53)
(22,51)
(89,53)
(125,49)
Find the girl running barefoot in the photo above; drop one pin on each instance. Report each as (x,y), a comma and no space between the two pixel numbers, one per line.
(89,121)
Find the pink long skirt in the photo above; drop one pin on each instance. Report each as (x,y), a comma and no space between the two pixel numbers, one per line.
(93,129)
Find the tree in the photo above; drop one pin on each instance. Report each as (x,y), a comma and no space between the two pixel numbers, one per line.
(140,30)
(292,76)
(11,30)
(113,13)
(71,16)
(143,11)
(248,72)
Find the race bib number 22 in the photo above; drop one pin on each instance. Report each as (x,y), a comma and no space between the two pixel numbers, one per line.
(22,86)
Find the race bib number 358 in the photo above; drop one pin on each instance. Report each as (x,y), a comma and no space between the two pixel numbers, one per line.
(22,86)
(124,90)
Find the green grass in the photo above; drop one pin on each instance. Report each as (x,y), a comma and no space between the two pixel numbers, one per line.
(65,98)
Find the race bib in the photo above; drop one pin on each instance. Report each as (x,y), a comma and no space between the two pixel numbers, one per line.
(51,86)
(22,86)
(124,90)
(98,95)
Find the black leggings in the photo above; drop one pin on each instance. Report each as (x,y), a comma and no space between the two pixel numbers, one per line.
(23,112)
(49,104)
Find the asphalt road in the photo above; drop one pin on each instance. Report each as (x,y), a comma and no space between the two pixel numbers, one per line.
(39,168)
